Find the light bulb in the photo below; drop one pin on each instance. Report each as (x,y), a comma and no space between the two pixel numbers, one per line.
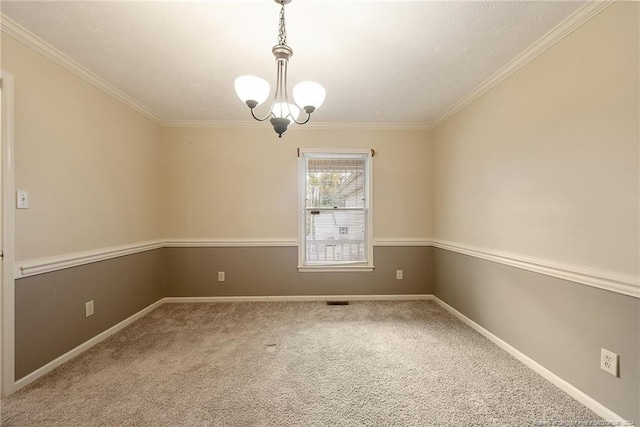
(252,88)
(309,94)
(280,110)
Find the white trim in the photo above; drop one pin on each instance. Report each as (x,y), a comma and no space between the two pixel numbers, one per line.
(326,152)
(334,268)
(367,126)
(571,23)
(12,28)
(303,153)
(227,243)
(46,265)
(24,381)
(299,298)
(626,284)
(214,124)
(563,385)
(402,242)
(8,235)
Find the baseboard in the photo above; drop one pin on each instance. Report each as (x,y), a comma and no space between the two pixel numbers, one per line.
(563,385)
(406,297)
(24,381)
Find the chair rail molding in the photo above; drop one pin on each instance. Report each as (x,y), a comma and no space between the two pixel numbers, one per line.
(46,265)
(228,243)
(626,284)
(402,241)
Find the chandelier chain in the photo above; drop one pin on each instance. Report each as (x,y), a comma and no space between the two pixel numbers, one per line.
(282,32)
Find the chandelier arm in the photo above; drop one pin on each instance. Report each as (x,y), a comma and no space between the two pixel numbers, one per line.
(275,96)
(302,123)
(260,119)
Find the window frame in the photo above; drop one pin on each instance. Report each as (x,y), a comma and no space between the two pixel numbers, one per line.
(368,208)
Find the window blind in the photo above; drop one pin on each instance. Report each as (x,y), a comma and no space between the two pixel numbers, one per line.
(335,209)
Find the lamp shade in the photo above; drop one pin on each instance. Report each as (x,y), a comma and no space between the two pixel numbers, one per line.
(252,88)
(309,94)
(280,110)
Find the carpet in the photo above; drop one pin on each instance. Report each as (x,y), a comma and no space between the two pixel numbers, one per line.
(383,363)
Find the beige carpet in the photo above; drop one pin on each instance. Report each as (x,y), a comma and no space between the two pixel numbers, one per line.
(407,363)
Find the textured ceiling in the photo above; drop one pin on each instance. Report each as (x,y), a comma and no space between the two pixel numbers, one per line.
(380,61)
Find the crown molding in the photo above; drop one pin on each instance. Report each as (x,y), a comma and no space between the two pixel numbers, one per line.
(368,126)
(212,124)
(12,28)
(215,124)
(566,27)
(575,20)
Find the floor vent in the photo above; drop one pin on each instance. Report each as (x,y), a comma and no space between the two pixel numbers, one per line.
(337,302)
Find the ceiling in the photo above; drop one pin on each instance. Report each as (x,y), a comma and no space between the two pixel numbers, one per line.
(382,62)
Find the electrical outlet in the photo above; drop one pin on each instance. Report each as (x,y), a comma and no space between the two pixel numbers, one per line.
(609,362)
(220,276)
(399,274)
(88,308)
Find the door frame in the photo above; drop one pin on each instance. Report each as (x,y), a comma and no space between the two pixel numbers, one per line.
(7,343)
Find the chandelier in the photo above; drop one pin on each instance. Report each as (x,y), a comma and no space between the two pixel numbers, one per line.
(254,91)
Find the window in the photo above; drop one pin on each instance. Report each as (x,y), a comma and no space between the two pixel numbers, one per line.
(335,210)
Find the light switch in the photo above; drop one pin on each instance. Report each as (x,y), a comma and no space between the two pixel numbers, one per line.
(22,199)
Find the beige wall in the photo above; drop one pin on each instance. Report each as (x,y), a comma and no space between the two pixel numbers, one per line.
(242,183)
(91,164)
(546,163)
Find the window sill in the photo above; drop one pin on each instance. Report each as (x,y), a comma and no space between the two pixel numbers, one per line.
(334,268)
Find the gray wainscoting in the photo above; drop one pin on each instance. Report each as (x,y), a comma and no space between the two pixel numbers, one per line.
(50,314)
(50,308)
(272,271)
(560,324)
